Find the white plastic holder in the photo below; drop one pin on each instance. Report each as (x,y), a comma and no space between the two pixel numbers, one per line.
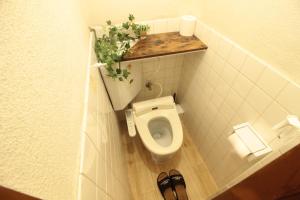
(291,122)
(179,109)
(130,122)
(247,142)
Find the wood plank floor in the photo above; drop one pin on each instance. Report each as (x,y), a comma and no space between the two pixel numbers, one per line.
(143,171)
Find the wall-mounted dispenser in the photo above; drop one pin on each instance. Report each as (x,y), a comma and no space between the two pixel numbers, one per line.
(291,121)
(247,142)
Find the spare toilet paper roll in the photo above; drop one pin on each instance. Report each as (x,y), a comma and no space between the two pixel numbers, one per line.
(187,25)
(239,147)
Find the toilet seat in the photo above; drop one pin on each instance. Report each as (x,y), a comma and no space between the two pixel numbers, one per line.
(170,114)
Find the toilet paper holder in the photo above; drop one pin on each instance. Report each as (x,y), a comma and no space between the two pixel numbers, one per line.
(247,142)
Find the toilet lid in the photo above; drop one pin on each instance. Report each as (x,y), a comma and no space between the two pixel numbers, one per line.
(171,116)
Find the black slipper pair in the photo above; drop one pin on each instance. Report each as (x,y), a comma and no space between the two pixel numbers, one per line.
(171,183)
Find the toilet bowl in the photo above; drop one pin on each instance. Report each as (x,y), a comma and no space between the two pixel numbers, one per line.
(159,127)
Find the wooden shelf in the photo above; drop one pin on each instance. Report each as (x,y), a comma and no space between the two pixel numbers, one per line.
(164,44)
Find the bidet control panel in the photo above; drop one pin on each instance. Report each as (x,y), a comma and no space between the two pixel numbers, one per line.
(130,122)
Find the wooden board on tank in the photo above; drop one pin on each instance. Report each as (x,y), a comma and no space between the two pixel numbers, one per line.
(164,44)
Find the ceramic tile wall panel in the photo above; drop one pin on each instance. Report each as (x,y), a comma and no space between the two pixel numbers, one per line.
(161,71)
(164,74)
(102,170)
(226,86)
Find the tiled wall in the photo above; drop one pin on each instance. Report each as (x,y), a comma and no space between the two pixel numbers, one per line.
(162,71)
(226,86)
(103,172)
(219,88)
(165,70)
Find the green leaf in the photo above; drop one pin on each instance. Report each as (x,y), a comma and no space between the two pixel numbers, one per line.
(108,22)
(131,17)
(125,25)
(119,71)
(114,29)
(125,73)
(112,46)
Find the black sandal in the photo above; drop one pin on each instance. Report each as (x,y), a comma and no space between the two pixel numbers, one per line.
(165,186)
(178,184)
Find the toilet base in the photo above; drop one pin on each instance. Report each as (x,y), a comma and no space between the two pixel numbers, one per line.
(160,159)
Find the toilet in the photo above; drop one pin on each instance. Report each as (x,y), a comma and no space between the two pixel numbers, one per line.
(159,127)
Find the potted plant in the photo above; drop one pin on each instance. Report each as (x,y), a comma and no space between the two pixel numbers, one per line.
(112,45)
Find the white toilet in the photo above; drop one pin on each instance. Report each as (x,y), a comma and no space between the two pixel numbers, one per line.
(159,127)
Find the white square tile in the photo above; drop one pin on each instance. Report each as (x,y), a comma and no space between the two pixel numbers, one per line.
(263,129)
(206,34)
(87,189)
(218,126)
(271,82)
(160,26)
(237,57)
(242,85)
(274,114)
(224,47)
(222,88)
(149,66)
(179,61)
(289,98)
(91,126)
(247,113)
(218,64)
(214,39)
(89,160)
(213,78)
(102,138)
(101,172)
(173,24)
(226,111)
(252,68)
(229,74)
(258,100)
(211,113)
(216,99)
(233,100)
(233,122)
(209,57)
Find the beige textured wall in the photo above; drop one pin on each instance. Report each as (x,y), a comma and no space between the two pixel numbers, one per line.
(270,29)
(43,57)
(118,11)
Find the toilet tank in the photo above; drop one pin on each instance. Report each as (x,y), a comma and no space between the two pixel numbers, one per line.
(122,93)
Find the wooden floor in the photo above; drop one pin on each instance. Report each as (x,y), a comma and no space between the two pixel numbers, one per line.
(143,171)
